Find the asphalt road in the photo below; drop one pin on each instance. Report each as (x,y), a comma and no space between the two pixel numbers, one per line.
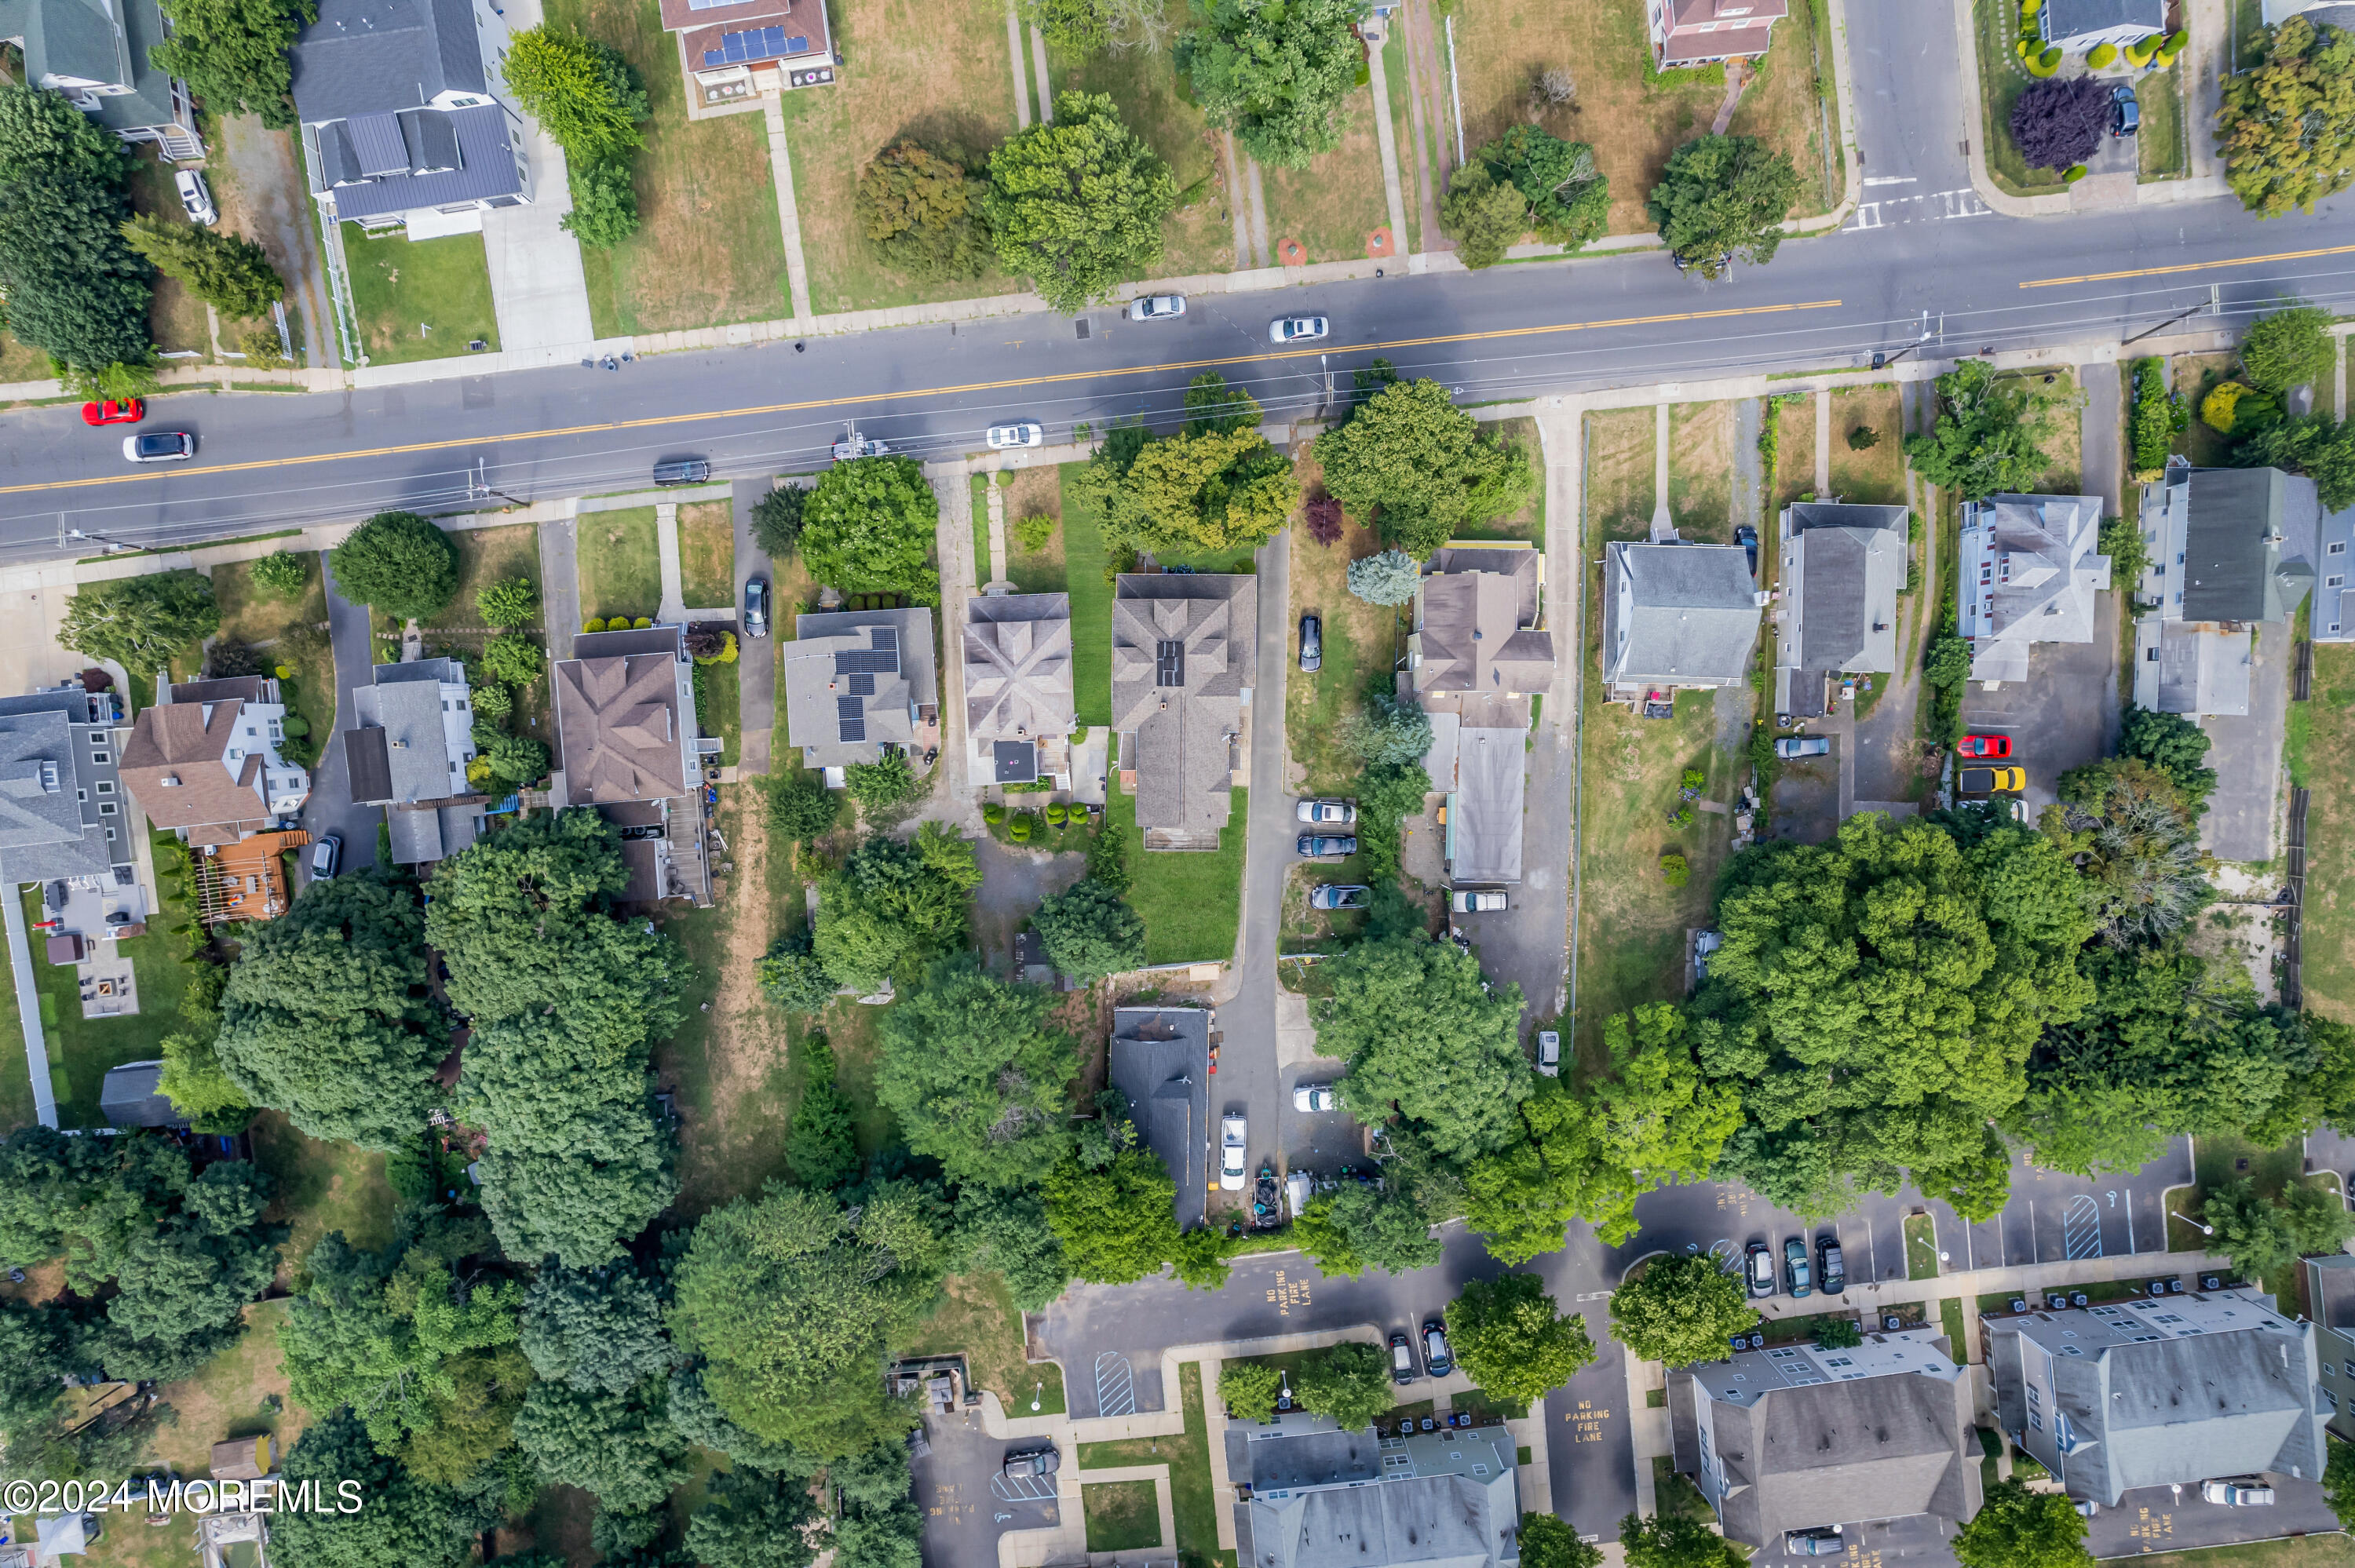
(1509,333)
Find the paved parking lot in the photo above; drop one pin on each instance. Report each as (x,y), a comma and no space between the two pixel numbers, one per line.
(968,1500)
(1805,805)
(1920,1539)
(2173,1519)
(2065,715)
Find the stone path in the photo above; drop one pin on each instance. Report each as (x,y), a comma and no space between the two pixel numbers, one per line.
(673,596)
(997,578)
(1021,89)
(1045,82)
(1823,443)
(789,218)
(1238,204)
(1386,138)
(1661,520)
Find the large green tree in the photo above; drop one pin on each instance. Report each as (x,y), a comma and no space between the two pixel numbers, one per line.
(1277,73)
(1675,1541)
(1358,1227)
(1721,197)
(1075,203)
(978,1079)
(1512,1340)
(1089,932)
(617,1446)
(1681,1310)
(923,211)
(1548,1541)
(2315,445)
(327,1016)
(1419,467)
(1483,214)
(599,1330)
(752,1520)
(1348,1384)
(1117,1223)
(1988,435)
(140,622)
(868,528)
(2135,840)
(584,93)
(1568,198)
(2287,126)
(74,288)
(403,1519)
(399,563)
(2016,1527)
(228,271)
(1426,1043)
(233,53)
(2287,348)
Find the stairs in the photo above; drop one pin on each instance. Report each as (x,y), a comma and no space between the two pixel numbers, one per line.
(181,145)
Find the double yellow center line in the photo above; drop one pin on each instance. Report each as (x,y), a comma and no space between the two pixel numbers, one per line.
(2192,267)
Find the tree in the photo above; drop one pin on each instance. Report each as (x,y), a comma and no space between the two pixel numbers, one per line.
(1426,1041)
(2136,844)
(923,210)
(1323,516)
(792,1298)
(1089,932)
(1075,203)
(1386,732)
(1548,1542)
(1483,215)
(1348,1384)
(1007,1234)
(226,271)
(512,656)
(1275,72)
(890,780)
(181,1286)
(399,563)
(617,1446)
(597,1329)
(605,203)
(2016,1527)
(140,622)
(198,1087)
(777,520)
(1356,1227)
(2255,1234)
(74,286)
(2288,127)
(881,1538)
(821,1145)
(2339,1482)
(1118,1223)
(1568,198)
(1211,490)
(507,605)
(2058,124)
(1863,439)
(1679,1311)
(976,1079)
(1512,1340)
(800,806)
(1250,1387)
(584,95)
(1722,197)
(517,759)
(2310,444)
(696,1417)
(1389,578)
(1082,26)
(1986,438)
(233,53)
(326,1016)
(2288,348)
(867,526)
(1675,1541)
(792,978)
(405,1520)
(1418,467)
(753,1521)
(2173,744)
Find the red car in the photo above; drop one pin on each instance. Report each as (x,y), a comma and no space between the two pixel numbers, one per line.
(1986,746)
(114,413)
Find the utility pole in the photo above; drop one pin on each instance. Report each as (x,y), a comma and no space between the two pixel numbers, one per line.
(1880,361)
(2213,305)
(478,483)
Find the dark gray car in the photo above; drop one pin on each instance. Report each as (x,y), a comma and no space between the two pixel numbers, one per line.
(1312,643)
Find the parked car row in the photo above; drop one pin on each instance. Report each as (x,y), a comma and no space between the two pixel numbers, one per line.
(1438,1359)
(1828,1272)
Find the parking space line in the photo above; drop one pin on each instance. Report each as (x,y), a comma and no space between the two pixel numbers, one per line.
(1115,1385)
(2081,1228)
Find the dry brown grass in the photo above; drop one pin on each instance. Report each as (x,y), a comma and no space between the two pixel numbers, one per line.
(1333,206)
(1784,106)
(487,556)
(1794,459)
(1622,448)
(226,1399)
(1633,126)
(978,1317)
(1875,476)
(1700,470)
(707,554)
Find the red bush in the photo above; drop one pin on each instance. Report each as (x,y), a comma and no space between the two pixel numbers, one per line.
(1324,517)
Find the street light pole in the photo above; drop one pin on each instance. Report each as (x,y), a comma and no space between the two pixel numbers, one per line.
(78,535)
(2195,1225)
(478,481)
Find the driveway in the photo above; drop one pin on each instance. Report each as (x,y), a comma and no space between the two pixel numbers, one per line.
(273,197)
(968,1501)
(1014,883)
(1805,803)
(756,659)
(2246,754)
(2065,715)
(330,810)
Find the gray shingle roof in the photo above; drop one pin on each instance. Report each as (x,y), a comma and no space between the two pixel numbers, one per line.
(1017,665)
(853,680)
(368,56)
(478,140)
(1473,609)
(1161,1061)
(2029,574)
(1346,1500)
(2074,18)
(1677,613)
(1842,569)
(402,720)
(1184,649)
(2248,543)
(131,1095)
(1889,1446)
(1484,834)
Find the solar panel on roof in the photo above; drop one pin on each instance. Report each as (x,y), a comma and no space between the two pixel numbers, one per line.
(772,40)
(1169,662)
(733,43)
(867,659)
(850,719)
(796,46)
(715,57)
(886,636)
(862,684)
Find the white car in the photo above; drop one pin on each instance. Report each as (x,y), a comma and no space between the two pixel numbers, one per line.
(1297,1190)
(1313,1097)
(159,446)
(1476,900)
(197,198)
(1021,433)
(1157,307)
(1231,1134)
(1325,810)
(1297,329)
(2236,1494)
(1550,1053)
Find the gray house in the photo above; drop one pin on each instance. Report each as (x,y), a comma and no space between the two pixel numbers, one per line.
(2029,574)
(1185,650)
(403,125)
(1843,567)
(859,680)
(1477,633)
(95,52)
(411,739)
(1019,712)
(2330,1298)
(2078,26)
(2232,550)
(2152,1392)
(1800,1439)
(1161,1061)
(66,820)
(132,1095)
(2334,611)
(1323,1499)
(1677,615)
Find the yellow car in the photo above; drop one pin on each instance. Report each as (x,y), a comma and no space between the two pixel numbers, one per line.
(1992,780)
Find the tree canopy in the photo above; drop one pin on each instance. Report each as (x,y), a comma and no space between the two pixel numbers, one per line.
(1676,1540)
(617,1446)
(1483,213)
(1512,1340)
(2016,1527)
(600,1331)
(414,1523)
(399,563)
(1277,73)
(226,271)
(1417,466)
(2288,127)
(1348,1384)
(1118,1223)
(1089,931)
(1568,199)
(140,622)
(2315,445)
(584,93)
(233,53)
(1721,197)
(1075,203)
(1357,1228)
(753,1521)
(1426,1044)
(868,527)
(2288,348)
(1681,1310)
(1387,577)
(1986,439)
(891,901)
(923,211)
(2059,123)
(74,288)
(822,1144)
(1213,484)
(977,1079)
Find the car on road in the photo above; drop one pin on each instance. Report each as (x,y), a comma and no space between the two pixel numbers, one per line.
(682,471)
(1814,1542)
(1550,1053)
(1325,808)
(1831,1268)
(1987,748)
(1297,329)
(129,411)
(1313,1097)
(1476,900)
(1401,1359)
(1989,780)
(160,446)
(1436,1355)
(1796,1277)
(1312,644)
(1043,1461)
(1157,307)
(1804,746)
(1340,896)
(1232,1133)
(1315,844)
(756,606)
(2243,1493)
(1724,260)
(1758,1268)
(325,855)
(1021,433)
(2126,114)
(196,197)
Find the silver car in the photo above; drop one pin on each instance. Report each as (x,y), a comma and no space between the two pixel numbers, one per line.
(1297,329)
(1325,810)
(1157,307)
(1814,1542)
(1021,433)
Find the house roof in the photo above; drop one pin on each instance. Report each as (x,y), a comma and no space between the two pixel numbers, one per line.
(624,717)
(37,781)
(1018,666)
(2204,667)
(378,56)
(1348,1499)
(1685,614)
(2331,1289)
(2074,18)
(1691,13)
(2248,543)
(1184,652)
(1844,566)
(1474,612)
(177,763)
(129,1096)
(459,154)
(801,18)
(1885,1446)
(853,680)
(2029,574)
(1484,833)
(412,711)
(1161,1061)
(76,38)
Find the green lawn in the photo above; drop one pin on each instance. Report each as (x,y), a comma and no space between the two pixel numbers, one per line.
(2329,953)
(15,1075)
(264,621)
(2159,142)
(81,1049)
(1083,570)
(717,709)
(487,556)
(1190,902)
(322,1186)
(2331,1551)
(1675,1493)
(977,1318)
(1920,1248)
(1191,1499)
(1950,1323)
(619,566)
(1197,236)
(980,484)
(707,554)
(423,299)
(1122,1516)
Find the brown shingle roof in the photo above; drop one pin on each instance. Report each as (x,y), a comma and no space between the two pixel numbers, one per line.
(619,721)
(174,766)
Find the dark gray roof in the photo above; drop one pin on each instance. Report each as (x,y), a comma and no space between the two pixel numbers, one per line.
(469,152)
(68,37)
(369,766)
(2331,1289)
(855,681)
(84,852)
(129,1098)
(37,784)
(413,705)
(368,56)
(1185,649)
(1161,1061)
(1889,1446)
(1852,563)
(2241,561)
(1014,761)
(2071,18)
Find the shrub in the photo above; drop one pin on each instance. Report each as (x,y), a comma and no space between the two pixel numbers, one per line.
(1839,1334)
(284,671)
(494,702)
(294,725)
(1675,870)
(282,574)
(604,204)
(642,622)
(513,658)
(1323,516)
(2045,64)
(992,814)
(777,520)
(2057,124)
(2139,52)
(1054,813)
(594,624)
(1033,532)
(2220,409)
(2072,174)
(2152,427)
(2102,56)
(1863,439)
(2287,348)
(1019,829)
(514,602)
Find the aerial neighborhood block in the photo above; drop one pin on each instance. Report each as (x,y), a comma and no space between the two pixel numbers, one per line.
(859,680)
(407,750)
(1677,616)
(627,743)
(1017,688)
(1185,650)
(2029,574)
(1843,569)
(1477,656)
